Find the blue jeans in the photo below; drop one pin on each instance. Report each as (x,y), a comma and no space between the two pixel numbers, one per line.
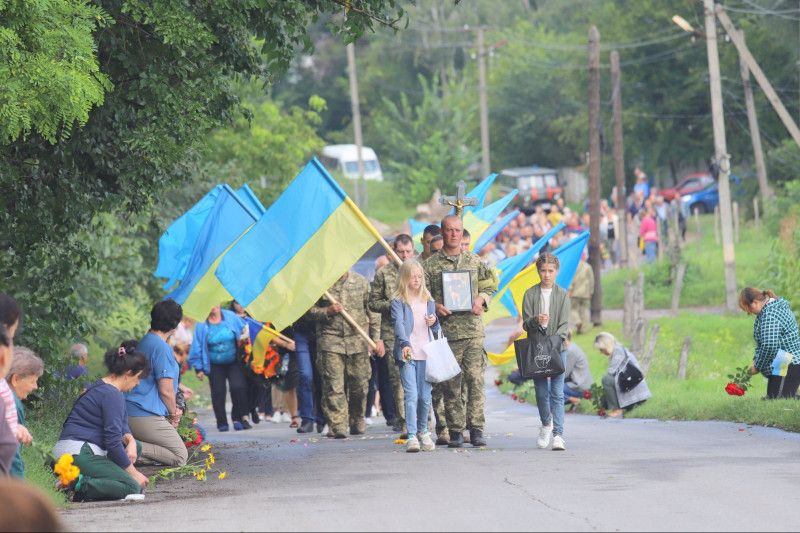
(550,400)
(417,396)
(651,251)
(571,393)
(305,384)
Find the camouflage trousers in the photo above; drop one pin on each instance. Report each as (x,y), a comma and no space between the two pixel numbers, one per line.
(460,414)
(394,379)
(345,382)
(437,406)
(579,318)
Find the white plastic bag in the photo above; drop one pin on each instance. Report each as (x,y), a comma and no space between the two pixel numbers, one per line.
(441,364)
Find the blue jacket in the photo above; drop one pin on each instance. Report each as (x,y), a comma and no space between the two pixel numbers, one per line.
(198,354)
(403,320)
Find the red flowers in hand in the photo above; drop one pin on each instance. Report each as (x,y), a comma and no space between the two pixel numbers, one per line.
(587,395)
(734,390)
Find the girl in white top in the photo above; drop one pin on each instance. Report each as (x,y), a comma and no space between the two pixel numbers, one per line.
(413,313)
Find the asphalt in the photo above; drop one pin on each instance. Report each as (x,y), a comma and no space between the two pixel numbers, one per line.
(616,475)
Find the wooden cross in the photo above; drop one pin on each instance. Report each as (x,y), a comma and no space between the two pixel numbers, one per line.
(460,200)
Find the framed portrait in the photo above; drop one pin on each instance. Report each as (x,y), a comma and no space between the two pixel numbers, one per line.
(457,290)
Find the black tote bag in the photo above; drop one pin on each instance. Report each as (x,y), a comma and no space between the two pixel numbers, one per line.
(539,356)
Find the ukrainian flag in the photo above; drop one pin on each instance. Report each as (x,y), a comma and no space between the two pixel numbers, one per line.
(478,221)
(493,230)
(176,244)
(416,228)
(200,290)
(306,240)
(479,192)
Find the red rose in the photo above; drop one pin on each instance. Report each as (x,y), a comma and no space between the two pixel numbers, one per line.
(498,382)
(587,395)
(521,400)
(730,388)
(189,443)
(601,412)
(739,391)
(198,440)
(513,395)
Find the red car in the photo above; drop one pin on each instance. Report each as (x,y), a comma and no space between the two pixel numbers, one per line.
(690,183)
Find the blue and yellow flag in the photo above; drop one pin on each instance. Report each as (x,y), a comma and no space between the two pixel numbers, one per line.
(480,192)
(311,235)
(176,244)
(492,231)
(478,221)
(416,228)
(200,290)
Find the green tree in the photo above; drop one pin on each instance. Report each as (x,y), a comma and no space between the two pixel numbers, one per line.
(428,144)
(49,67)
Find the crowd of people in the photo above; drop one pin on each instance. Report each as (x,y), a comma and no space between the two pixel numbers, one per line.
(360,350)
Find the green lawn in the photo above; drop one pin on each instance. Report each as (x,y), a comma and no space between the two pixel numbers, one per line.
(385,203)
(720,344)
(704,284)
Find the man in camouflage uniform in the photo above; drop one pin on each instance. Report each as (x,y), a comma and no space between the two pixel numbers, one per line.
(343,353)
(580,294)
(464,332)
(380,301)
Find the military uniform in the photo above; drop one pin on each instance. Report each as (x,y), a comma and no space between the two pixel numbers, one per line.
(343,353)
(580,293)
(380,301)
(464,332)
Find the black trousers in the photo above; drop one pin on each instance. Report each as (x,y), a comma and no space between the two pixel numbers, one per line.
(218,380)
(388,405)
(790,384)
(256,392)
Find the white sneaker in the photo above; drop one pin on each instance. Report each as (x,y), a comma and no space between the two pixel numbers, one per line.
(368,421)
(545,432)
(427,443)
(275,418)
(286,417)
(558,444)
(412,444)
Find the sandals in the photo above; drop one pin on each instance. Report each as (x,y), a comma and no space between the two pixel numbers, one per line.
(295,422)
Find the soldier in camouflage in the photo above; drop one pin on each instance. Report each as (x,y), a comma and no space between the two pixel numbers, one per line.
(464,332)
(580,293)
(380,301)
(343,353)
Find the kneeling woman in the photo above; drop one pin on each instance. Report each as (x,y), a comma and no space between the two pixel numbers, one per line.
(617,399)
(97,435)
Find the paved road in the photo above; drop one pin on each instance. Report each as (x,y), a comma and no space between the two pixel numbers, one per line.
(615,475)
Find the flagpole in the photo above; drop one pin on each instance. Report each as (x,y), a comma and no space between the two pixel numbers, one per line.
(372,230)
(277,333)
(230,191)
(351,321)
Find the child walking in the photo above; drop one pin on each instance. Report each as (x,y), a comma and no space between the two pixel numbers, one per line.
(413,314)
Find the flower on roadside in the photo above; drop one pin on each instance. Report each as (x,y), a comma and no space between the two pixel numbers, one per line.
(65,469)
(513,395)
(587,395)
(199,475)
(222,475)
(205,448)
(399,441)
(498,382)
(739,381)
(601,412)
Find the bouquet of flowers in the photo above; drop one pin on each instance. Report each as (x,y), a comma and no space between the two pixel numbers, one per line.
(200,465)
(188,432)
(598,397)
(740,380)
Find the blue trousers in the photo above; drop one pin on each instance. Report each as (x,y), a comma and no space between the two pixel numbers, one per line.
(550,400)
(307,404)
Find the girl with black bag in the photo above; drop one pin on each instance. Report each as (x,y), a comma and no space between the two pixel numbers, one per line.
(545,312)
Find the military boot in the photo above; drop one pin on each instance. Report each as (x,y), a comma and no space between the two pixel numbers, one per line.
(443,438)
(359,427)
(476,438)
(456,439)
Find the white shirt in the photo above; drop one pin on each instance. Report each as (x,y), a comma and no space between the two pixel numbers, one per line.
(546,293)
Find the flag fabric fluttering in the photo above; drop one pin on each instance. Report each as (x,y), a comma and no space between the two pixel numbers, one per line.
(311,235)
(492,231)
(176,244)
(227,221)
(479,191)
(478,221)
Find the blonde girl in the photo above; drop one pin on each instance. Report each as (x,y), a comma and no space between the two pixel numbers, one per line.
(413,315)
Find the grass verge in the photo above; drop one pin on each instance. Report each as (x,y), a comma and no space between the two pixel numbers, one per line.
(385,204)
(720,344)
(704,284)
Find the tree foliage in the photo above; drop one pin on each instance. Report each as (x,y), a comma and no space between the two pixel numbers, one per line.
(49,66)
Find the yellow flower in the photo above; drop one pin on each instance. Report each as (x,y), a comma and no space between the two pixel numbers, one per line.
(222,475)
(400,441)
(66,471)
(200,475)
(211,459)
(205,448)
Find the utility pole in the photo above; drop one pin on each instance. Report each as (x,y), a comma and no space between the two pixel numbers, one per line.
(362,199)
(721,157)
(755,133)
(621,227)
(594,172)
(484,104)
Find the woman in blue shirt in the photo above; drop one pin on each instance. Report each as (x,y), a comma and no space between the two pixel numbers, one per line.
(214,354)
(97,435)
